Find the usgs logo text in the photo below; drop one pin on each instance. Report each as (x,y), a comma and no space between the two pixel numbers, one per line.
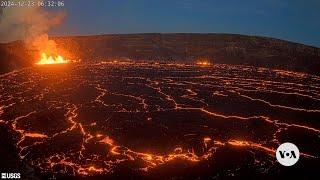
(10,176)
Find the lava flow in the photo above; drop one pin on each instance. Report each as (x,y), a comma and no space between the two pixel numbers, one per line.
(157,120)
(45,59)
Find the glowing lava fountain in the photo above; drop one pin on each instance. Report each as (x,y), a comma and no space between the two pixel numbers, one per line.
(51,60)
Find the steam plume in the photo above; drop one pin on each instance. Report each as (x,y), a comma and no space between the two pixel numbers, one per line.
(29,24)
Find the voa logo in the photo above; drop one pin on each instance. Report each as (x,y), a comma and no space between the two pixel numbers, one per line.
(287,154)
(10,176)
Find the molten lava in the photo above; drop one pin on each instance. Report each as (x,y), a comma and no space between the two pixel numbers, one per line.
(203,63)
(51,60)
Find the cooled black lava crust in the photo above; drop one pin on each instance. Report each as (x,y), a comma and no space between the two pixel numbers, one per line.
(162,121)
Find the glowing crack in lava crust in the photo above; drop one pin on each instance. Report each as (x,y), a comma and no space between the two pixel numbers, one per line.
(152,120)
(45,59)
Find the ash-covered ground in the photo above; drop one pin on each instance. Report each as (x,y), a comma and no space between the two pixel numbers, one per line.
(159,121)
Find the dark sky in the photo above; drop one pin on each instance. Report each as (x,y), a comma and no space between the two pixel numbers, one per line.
(293,20)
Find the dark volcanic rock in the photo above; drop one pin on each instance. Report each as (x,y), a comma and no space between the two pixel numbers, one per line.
(13,56)
(157,121)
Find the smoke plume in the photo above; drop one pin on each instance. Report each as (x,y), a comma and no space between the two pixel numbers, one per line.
(30,24)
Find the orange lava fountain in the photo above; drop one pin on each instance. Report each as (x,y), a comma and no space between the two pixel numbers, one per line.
(51,60)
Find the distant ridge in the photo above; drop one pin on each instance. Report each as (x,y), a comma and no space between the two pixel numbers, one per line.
(219,48)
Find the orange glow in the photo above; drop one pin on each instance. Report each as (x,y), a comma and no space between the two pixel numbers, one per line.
(36,135)
(178,150)
(51,60)
(107,140)
(238,143)
(92,168)
(206,139)
(114,150)
(251,144)
(203,62)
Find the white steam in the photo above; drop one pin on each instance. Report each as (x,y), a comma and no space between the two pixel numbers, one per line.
(30,24)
